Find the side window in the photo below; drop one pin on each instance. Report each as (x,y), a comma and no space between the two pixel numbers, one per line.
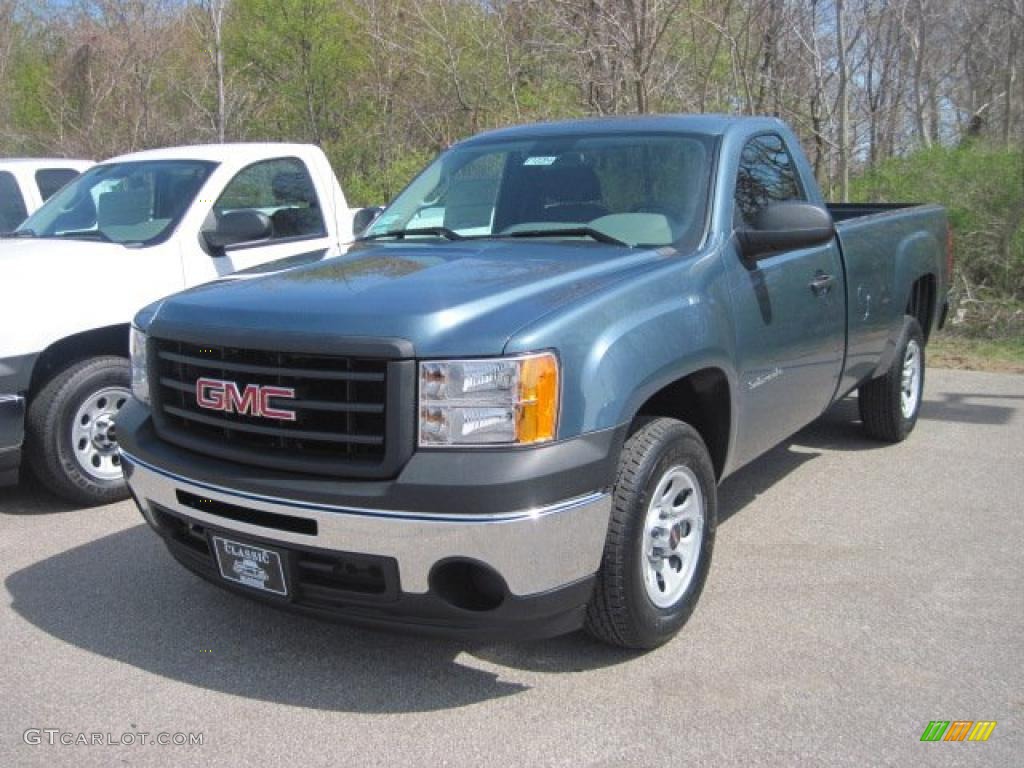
(766,175)
(280,188)
(12,205)
(50,180)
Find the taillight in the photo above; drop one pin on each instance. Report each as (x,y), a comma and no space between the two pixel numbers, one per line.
(949,252)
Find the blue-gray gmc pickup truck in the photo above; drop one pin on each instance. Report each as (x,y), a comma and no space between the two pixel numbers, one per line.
(506,410)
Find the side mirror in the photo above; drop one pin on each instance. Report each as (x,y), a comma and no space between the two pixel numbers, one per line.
(786,227)
(364,218)
(238,227)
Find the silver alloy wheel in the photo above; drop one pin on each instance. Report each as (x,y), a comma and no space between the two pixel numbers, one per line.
(673,533)
(93,435)
(910,386)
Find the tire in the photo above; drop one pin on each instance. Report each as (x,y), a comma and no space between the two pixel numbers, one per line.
(890,404)
(630,607)
(70,442)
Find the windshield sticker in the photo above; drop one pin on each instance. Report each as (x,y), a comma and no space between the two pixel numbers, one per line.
(539,160)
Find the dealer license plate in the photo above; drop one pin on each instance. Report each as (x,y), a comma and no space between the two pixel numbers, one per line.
(256,567)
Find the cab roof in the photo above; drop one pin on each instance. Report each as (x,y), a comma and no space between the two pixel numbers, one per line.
(709,125)
(218,153)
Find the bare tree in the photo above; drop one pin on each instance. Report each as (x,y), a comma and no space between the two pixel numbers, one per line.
(208,20)
(618,46)
(1014,23)
(844,106)
(8,39)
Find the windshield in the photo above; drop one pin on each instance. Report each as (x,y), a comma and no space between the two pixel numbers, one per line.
(633,189)
(138,203)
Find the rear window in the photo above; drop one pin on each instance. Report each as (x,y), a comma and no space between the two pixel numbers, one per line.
(50,180)
(12,205)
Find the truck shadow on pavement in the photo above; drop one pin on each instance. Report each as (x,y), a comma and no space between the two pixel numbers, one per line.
(124,598)
(955,406)
(31,498)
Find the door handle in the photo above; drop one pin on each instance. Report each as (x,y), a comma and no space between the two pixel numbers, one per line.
(822,284)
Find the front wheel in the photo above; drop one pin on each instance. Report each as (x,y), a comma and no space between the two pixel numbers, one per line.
(660,537)
(71,436)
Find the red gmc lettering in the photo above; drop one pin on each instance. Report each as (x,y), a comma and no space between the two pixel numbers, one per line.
(253,400)
(210,394)
(276,413)
(246,401)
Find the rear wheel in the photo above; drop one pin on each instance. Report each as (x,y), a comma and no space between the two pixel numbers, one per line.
(889,405)
(71,434)
(660,537)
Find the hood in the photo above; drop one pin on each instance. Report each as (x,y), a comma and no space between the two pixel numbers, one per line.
(462,298)
(51,289)
(26,255)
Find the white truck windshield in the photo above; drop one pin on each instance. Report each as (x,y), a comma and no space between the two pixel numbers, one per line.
(137,202)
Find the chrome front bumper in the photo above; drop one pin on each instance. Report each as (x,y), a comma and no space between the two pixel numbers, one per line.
(534,550)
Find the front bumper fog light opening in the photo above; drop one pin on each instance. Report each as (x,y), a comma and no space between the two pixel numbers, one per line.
(468,585)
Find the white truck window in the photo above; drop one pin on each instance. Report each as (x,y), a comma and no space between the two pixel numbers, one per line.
(50,180)
(283,190)
(12,204)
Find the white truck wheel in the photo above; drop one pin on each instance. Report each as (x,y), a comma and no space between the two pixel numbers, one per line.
(71,434)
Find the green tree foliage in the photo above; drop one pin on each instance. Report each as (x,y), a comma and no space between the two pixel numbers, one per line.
(296,57)
(32,56)
(983,188)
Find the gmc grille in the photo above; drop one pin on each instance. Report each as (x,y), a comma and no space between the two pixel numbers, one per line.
(342,423)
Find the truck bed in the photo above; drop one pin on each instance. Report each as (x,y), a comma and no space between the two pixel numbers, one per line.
(846,211)
(878,294)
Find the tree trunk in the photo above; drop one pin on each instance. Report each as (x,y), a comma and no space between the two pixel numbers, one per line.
(919,40)
(217,17)
(844,116)
(1010,76)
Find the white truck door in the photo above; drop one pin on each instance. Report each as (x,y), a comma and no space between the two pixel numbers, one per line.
(282,189)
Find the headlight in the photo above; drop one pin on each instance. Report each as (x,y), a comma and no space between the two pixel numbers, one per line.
(140,377)
(498,401)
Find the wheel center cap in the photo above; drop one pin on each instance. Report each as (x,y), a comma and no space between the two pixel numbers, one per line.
(103,432)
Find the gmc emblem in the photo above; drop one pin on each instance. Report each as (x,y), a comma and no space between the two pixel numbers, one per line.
(254,400)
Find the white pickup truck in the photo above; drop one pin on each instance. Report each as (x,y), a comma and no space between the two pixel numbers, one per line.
(123,234)
(27,183)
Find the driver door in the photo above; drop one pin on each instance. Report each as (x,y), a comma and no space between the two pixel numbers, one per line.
(788,309)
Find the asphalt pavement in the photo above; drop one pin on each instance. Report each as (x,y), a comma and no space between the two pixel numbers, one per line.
(858,592)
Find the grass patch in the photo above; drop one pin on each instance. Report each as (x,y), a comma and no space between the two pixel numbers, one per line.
(946,350)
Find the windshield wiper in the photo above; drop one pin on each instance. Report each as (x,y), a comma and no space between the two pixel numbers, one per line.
(85,234)
(20,233)
(590,232)
(444,232)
